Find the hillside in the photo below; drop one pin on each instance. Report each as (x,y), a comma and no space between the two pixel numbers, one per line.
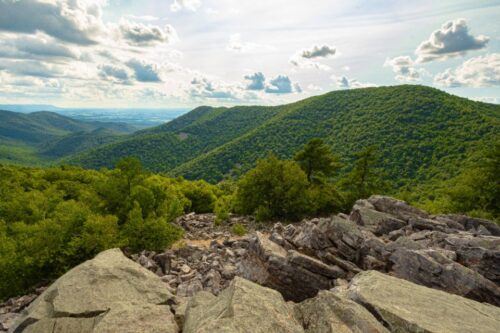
(420,133)
(36,137)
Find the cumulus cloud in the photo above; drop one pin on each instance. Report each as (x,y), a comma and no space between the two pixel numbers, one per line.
(146,34)
(404,68)
(257,81)
(346,83)
(482,71)
(30,68)
(191,5)
(72,21)
(113,74)
(205,88)
(453,39)
(318,52)
(282,85)
(144,72)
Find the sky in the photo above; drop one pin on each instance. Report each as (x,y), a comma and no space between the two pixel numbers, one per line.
(185,53)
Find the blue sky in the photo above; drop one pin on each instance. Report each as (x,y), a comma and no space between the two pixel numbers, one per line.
(183,53)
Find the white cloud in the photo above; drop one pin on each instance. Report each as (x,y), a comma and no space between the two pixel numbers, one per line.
(113,74)
(72,21)
(206,88)
(146,34)
(282,85)
(31,68)
(482,71)
(191,5)
(453,39)
(257,81)
(144,71)
(323,51)
(346,83)
(404,68)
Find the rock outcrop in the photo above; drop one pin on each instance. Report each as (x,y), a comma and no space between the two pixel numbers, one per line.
(385,267)
(406,307)
(110,293)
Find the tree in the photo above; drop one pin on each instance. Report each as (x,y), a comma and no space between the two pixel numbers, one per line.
(317,160)
(131,169)
(365,178)
(274,189)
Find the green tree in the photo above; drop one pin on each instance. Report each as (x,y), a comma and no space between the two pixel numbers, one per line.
(365,178)
(317,160)
(274,189)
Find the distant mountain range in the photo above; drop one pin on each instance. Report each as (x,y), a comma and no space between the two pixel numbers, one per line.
(420,133)
(34,138)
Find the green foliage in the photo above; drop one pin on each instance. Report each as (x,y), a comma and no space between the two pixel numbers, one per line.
(317,160)
(274,189)
(53,219)
(365,178)
(239,229)
(222,209)
(201,194)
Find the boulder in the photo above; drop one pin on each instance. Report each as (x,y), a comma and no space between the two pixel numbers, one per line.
(242,307)
(109,293)
(329,313)
(435,268)
(296,275)
(473,224)
(377,222)
(406,307)
(395,207)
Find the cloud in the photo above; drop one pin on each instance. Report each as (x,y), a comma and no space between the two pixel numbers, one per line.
(144,72)
(30,68)
(404,68)
(205,88)
(191,5)
(113,73)
(346,83)
(319,52)
(453,39)
(72,21)
(282,85)
(257,81)
(482,71)
(146,34)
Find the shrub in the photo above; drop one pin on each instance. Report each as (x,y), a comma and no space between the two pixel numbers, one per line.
(239,229)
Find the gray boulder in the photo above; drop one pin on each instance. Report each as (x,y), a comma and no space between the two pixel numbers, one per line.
(395,207)
(109,293)
(329,313)
(242,307)
(435,268)
(407,307)
(377,222)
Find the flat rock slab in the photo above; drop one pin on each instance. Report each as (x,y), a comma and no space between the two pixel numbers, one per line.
(109,293)
(407,307)
(243,307)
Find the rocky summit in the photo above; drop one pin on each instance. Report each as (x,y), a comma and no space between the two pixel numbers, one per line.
(385,267)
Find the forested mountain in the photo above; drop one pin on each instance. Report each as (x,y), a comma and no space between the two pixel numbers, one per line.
(36,137)
(419,133)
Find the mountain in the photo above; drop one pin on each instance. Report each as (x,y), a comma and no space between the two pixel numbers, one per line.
(28,138)
(420,133)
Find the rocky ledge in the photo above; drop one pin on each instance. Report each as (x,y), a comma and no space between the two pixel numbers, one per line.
(386,267)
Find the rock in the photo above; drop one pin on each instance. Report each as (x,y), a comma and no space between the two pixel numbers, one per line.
(471,223)
(189,288)
(344,235)
(109,293)
(185,269)
(242,307)
(329,313)
(295,275)
(407,307)
(435,268)
(397,208)
(377,222)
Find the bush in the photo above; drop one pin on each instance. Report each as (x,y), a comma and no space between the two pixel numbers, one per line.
(222,209)
(276,187)
(239,229)
(201,194)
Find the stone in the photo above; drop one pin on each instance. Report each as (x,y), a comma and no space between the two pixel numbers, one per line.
(106,294)
(242,307)
(434,268)
(406,307)
(377,222)
(330,313)
(189,288)
(397,208)
(471,223)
